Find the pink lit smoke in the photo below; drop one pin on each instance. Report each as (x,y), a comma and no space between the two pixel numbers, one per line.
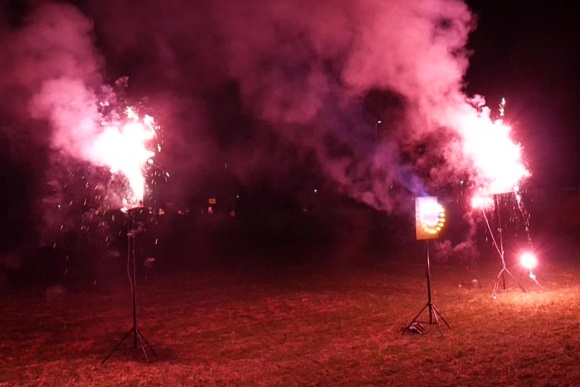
(59,64)
(415,50)
(301,68)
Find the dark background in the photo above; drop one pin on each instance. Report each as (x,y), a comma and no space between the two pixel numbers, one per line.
(528,52)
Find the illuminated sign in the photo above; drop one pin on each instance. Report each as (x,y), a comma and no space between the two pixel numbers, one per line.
(429,217)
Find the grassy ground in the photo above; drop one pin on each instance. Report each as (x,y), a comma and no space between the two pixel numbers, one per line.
(299,326)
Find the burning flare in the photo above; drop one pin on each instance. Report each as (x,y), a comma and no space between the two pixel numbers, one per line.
(529,261)
(496,157)
(123,146)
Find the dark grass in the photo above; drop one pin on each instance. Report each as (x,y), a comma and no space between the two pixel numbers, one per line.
(302,324)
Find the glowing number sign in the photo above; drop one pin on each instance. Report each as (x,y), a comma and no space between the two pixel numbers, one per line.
(429,217)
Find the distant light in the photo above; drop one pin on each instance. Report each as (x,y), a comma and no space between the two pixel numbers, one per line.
(379,122)
(528,260)
(315,190)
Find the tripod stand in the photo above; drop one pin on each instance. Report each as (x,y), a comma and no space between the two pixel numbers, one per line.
(139,341)
(434,314)
(500,279)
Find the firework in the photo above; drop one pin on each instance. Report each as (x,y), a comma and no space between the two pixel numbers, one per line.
(481,201)
(497,166)
(502,108)
(529,261)
(496,157)
(124,146)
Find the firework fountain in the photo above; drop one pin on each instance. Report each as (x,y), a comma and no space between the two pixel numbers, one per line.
(298,74)
(499,170)
(123,147)
(108,149)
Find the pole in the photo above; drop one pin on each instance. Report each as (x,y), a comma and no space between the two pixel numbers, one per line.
(500,231)
(429,302)
(434,314)
(501,276)
(500,234)
(139,341)
(134,288)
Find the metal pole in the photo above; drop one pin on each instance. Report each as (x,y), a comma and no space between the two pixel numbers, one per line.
(134,285)
(429,302)
(499,230)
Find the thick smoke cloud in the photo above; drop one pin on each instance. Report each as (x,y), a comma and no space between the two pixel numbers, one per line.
(226,77)
(302,69)
(54,74)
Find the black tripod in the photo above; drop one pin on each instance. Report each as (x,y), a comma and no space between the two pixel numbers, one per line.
(434,314)
(139,341)
(500,279)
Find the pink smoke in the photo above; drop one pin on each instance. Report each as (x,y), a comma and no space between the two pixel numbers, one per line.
(61,67)
(302,68)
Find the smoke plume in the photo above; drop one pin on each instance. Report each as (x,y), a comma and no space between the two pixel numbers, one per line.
(303,68)
(231,78)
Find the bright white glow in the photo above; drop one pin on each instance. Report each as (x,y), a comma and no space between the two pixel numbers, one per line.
(528,260)
(431,215)
(481,202)
(496,157)
(123,147)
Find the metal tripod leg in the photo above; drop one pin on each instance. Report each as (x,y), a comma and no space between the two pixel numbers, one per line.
(117,346)
(438,315)
(501,278)
(144,344)
(434,314)
(137,337)
(433,311)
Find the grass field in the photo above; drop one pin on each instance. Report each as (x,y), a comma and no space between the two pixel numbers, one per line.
(297,325)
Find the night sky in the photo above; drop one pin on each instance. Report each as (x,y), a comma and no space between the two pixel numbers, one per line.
(281,96)
(529,53)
